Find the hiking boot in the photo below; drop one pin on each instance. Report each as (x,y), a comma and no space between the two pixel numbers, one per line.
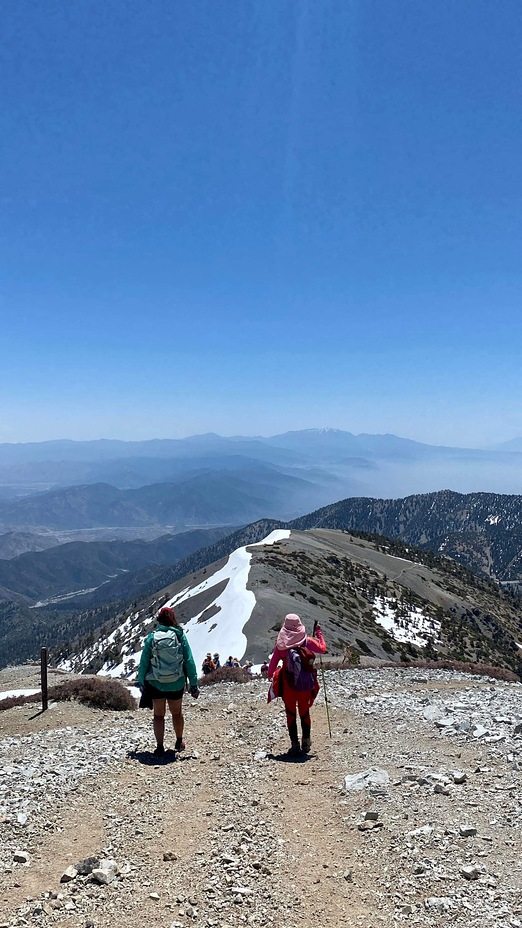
(180,745)
(306,745)
(159,751)
(294,750)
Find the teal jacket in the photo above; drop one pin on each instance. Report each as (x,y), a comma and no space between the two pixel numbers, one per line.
(145,671)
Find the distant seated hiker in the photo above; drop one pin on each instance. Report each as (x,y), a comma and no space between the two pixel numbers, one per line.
(208,665)
(166,663)
(298,678)
(217,662)
(264,670)
(229,662)
(236,663)
(248,667)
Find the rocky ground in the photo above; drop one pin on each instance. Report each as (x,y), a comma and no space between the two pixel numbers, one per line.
(411,813)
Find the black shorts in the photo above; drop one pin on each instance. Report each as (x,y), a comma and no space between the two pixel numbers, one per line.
(165,694)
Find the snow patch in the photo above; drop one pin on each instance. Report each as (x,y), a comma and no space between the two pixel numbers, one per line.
(405,623)
(9,693)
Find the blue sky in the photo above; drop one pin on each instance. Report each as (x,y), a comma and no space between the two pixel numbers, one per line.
(259,215)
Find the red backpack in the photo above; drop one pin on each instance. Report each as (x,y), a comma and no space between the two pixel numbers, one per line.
(300,672)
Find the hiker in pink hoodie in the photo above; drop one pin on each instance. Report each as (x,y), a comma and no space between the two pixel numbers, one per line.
(297,681)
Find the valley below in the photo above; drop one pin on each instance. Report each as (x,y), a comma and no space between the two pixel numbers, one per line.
(232,833)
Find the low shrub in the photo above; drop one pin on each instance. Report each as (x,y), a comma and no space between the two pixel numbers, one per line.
(98,692)
(225,675)
(480,670)
(11,701)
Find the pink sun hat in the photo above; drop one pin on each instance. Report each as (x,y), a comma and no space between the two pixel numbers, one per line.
(292,634)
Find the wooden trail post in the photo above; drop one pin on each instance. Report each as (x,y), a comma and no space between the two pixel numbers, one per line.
(43,677)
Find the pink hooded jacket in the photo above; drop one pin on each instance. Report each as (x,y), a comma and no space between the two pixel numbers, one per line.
(317,645)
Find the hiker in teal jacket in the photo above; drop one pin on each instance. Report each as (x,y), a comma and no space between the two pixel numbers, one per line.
(166,663)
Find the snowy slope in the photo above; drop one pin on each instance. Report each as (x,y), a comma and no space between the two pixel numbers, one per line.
(223,632)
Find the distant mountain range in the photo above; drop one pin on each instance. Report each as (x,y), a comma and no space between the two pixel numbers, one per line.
(479,530)
(59,570)
(331,461)
(210,498)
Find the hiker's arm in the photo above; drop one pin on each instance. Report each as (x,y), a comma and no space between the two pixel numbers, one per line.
(144,661)
(317,642)
(274,660)
(188,663)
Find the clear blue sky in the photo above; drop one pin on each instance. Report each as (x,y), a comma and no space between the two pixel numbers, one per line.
(258,215)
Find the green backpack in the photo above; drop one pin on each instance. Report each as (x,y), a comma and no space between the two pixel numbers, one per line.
(166,656)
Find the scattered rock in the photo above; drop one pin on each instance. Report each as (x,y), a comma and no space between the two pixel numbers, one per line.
(439,904)
(459,776)
(21,857)
(102,875)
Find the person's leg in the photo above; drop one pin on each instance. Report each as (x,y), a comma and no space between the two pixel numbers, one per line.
(303,704)
(290,702)
(178,722)
(159,706)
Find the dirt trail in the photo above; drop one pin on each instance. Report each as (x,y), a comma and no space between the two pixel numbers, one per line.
(257,840)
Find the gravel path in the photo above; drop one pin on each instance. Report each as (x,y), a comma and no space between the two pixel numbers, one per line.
(232,833)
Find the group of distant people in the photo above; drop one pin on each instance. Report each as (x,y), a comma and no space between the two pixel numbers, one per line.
(167,667)
(212,662)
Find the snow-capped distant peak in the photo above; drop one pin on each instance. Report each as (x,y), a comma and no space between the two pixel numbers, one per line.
(323,430)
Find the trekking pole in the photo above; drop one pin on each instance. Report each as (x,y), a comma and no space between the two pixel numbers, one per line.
(324,687)
(325,696)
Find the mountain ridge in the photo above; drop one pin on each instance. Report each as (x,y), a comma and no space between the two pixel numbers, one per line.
(372,595)
(481,530)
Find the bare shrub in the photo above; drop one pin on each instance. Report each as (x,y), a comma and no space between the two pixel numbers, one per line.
(11,701)
(225,675)
(480,670)
(98,692)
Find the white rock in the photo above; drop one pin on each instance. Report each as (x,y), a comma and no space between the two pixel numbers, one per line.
(459,776)
(69,874)
(373,776)
(439,904)
(479,731)
(99,875)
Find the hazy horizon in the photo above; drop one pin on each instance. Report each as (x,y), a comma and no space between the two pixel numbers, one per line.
(254,436)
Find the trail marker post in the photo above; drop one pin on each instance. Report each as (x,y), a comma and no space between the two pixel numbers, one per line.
(43,678)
